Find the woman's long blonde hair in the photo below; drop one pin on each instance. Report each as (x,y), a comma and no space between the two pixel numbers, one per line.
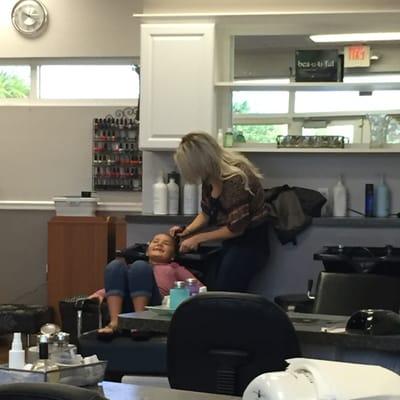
(200,157)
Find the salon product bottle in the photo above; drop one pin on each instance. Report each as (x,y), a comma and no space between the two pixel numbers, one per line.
(178,294)
(44,364)
(369,200)
(382,193)
(173,197)
(228,138)
(160,196)
(339,199)
(220,137)
(176,176)
(190,199)
(192,285)
(16,356)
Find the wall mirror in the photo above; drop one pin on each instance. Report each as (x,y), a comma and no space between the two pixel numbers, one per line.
(267,102)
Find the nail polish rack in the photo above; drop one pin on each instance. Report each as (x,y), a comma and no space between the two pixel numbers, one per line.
(117,160)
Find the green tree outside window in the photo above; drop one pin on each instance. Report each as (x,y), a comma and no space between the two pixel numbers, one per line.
(11,87)
(265,133)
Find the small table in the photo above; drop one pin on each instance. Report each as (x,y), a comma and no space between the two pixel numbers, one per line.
(123,391)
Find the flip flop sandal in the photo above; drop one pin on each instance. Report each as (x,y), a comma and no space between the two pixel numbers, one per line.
(109,335)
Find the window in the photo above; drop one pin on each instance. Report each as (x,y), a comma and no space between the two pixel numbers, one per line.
(261,115)
(68,79)
(259,133)
(252,111)
(315,102)
(88,82)
(260,102)
(15,81)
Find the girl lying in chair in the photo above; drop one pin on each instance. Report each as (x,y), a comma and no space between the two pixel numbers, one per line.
(132,287)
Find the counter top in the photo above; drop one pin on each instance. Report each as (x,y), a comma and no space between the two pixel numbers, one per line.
(310,328)
(356,222)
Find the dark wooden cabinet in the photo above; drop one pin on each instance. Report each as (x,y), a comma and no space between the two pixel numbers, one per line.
(78,250)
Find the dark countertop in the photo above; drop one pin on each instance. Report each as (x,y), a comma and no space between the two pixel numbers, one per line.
(310,328)
(123,391)
(359,222)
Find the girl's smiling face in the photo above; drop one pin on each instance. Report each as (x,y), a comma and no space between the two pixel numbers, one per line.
(161,248)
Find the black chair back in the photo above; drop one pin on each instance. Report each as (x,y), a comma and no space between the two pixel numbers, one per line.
(345,293)
(218,342)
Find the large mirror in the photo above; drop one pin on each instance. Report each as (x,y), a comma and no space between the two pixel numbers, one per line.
(263,112)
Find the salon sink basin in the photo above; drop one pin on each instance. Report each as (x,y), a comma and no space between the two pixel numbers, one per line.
(377,260)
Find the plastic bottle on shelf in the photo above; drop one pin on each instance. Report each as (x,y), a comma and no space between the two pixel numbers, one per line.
(228,138)
(16,356)
(382,199)
(173,197)
(339,199)
(160,196)
(369,200)
(220,137)
(190,202)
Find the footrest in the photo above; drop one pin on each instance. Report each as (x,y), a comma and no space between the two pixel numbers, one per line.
(23,318)
(127,356)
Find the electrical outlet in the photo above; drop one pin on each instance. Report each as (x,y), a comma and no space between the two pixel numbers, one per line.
(325,210)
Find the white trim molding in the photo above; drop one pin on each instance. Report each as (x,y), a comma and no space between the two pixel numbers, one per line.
(49,205)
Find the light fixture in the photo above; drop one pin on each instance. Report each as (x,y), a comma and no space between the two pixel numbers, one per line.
(355,37)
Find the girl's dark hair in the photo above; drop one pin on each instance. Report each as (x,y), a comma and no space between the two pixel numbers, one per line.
(175,240)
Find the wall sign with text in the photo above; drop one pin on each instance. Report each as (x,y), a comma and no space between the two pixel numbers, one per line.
(318,66)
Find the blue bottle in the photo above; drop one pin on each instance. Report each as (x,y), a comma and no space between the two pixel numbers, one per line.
(178,294)
(369,200)
(382,197)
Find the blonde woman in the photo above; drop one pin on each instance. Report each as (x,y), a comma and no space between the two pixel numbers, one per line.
(232,204)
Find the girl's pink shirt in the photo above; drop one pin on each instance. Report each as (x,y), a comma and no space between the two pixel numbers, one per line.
(165,276)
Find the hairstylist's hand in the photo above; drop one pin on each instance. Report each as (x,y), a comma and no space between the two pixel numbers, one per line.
(190,244)
(176,230)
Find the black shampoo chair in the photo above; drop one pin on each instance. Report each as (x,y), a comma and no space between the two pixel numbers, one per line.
(218,342)
(345,293)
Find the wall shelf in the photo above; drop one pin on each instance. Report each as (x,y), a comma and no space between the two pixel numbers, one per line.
(307,86)
(353,149)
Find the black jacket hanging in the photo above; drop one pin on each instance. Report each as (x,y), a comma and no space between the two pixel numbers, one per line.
(291,209)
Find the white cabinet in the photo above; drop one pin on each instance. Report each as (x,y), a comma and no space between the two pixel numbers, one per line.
(177,83)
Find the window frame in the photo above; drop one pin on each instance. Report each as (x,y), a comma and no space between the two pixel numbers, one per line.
(34,98)
(296,120)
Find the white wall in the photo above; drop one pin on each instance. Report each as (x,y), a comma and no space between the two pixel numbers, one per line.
(47,151)
(171,6)
(77,28)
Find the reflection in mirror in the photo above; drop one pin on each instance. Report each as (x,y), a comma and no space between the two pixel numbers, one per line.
(262,115)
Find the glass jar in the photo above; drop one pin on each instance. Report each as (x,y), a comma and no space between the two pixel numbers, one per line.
(379,124)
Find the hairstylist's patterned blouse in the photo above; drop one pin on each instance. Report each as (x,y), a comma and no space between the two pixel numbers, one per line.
(236,207)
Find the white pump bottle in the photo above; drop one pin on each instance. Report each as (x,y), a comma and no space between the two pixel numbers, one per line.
(16,356)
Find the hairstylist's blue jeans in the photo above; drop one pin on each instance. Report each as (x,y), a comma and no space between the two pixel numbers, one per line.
(242,258)
(129,281)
